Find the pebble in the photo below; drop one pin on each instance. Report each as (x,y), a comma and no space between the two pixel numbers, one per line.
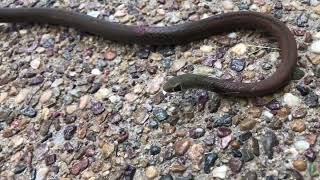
(50,159)
(154,150)
(19,168)
(303,90)
(97,108)
(238,64)
(107,149)
(227,5)
(181,147)
(42,173)
(166,177)
(269,141)
(225,120)
(69,131)
(239,49)
(196,133)
(154,85)
(225,141)
(247,125)
(291,100)
(251,175)
(46,95)
(223,132)
(298,74)
(57,82)
(151,172)
(235,165)
(177,65)
(315,47)
(298,126)
(310,154)
(160,114)
(71,108)
(22,95)
(209,160)
(96,72)
(83,102)
(195,154)
(177,168)
(80,166)
(206,48)
(301,145)
(29,112)
(312,100)
(129,172)
(300,165)
(110,55)
(3,96)
(220,172)
(35,64)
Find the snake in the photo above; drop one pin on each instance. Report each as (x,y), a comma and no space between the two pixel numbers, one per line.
(180,34)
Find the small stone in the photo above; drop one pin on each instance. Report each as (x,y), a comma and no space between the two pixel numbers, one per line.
(22,95)
(181,147)
(223,132)
(57,82)
(274,105)
(251,175)
(310,154)
(3,96)
(166,177)
(154,150)
(300,165)
(71,108)
(247,155)
(50,159)
(247,125)
(177,168)
(209,160)
(197,133)
(239,49)
(160,114)
(206,48)
(96,72)
(220,172)
(301,145)
(238,64)
(29,112)
(312,100)
(143,53)
(84,100)
(291,100)
(225,141)
(303,19)
(107,149)
(195,154)
(245,136)
(151,172)
(19,168)
(80,166)
(129,172)
(269,141)
(97,108)
(299,126)
(42,173)
(298,74)
(303,90)
(154,85)
(225,120)
(177,65)
(315,47)
(227,5)
(110,55)
(36,80)
(69,131)
(46,95)
(235,165)
(35,64)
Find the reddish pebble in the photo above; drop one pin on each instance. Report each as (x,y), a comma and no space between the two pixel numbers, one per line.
(80,166)
(110,55)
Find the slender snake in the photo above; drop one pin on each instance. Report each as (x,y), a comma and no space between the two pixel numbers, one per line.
(179,34)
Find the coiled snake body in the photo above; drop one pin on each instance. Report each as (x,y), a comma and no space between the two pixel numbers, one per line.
(178,34)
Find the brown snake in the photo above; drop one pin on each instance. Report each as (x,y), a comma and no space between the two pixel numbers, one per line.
(178,34)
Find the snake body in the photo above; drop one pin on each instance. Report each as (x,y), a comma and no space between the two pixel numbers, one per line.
(179,34)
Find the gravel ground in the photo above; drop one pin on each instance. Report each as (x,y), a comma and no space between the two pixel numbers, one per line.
(76,106)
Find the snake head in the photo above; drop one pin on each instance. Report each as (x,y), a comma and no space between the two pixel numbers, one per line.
(172,85)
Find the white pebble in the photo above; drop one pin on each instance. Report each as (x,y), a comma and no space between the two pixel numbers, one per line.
(232,35)
(103,93)
(96,72)
(130,97)
(315,47)
(239,49)
(301,145)
(114,98)
(254,7)
(71,108)
(3,96)
(206,48)
(154,85)
(204,70)
(35,63)
(220,172)
(42,173)
(291,100)
(93,13)
(46,95)
(227,5)
(84,100)
(177,65)
(267,114)
(57,82)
